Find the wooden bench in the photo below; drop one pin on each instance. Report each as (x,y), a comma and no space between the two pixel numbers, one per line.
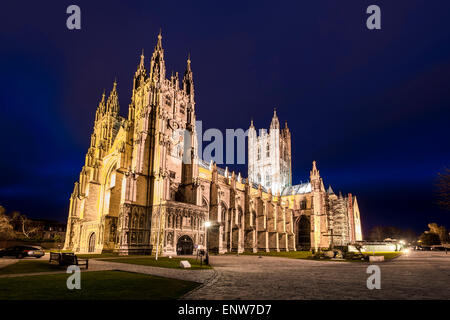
(68,259)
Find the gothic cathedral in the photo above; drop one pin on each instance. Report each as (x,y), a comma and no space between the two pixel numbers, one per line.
(144,188)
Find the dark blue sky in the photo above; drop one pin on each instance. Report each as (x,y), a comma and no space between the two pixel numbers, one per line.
(371,107)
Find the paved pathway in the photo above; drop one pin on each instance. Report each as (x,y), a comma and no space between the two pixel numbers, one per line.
(201,276)
(418,275)
(6,262)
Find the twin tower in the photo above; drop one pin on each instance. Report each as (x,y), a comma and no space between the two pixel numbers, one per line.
(269,156)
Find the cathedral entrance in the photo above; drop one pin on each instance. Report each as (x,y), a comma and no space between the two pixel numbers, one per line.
(91,242)
(185,246)
(304,233)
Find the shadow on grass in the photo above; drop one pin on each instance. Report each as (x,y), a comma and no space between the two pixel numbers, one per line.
(95,285)
(30,266)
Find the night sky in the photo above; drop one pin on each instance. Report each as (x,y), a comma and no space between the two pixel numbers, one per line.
(371,107)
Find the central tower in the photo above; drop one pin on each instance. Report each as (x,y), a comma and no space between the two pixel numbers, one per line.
(269,156)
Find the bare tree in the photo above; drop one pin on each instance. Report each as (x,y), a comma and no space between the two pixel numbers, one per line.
(443,188)
(441,231)
(377,233)
(6,229)
(24,225)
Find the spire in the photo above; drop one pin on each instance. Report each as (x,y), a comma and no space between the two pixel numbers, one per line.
(188,67)
(285,132)
(314,172)
(251,123)
(188,78)
(141,73)
(275,124)
(101,107)
(157,67)
(102,101)
(159,43)
(141,64)
(112,104)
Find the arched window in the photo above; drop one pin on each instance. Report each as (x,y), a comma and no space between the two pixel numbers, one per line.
(259,178)
(224,213)
(259,154)
(91,247)
(268,150)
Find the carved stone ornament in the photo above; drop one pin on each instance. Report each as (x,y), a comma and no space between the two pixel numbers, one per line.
(173,124)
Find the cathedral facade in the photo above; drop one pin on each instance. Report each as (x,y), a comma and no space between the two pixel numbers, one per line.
(144,189)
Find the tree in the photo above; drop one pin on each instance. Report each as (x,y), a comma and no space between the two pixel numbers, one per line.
(379,233)
(429,238)
(24,225)
(6,229)
(441,231)
(443,188)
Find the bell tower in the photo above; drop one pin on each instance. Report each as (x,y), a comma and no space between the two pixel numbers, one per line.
(269,156)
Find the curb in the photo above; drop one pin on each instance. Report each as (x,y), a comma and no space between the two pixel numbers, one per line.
(210,281)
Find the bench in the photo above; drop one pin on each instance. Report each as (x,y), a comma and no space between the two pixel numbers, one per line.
(68,259)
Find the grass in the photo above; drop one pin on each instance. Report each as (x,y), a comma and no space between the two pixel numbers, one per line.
(97,255)
(30,266)
(163,262)
(284,254)
(105,255)
(95,285)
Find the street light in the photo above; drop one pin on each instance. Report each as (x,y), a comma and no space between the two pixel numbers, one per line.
(207,225)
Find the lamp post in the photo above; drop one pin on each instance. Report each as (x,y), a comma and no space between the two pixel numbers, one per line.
(207,225)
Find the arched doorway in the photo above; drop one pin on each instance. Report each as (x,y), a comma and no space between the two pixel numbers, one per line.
(91,242)
(185,246)
(304,233)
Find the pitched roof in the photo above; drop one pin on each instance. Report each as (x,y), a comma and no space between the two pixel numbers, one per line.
(297,189)
(330,190)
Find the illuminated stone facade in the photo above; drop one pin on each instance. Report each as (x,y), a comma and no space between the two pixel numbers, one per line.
(144,187)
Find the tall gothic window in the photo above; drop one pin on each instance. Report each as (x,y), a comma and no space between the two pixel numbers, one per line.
(268,150)
(259,154)
(224,213)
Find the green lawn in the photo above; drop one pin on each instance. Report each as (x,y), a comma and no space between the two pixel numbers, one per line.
(96,285)
(163,262)
(284,254)
(96,256)
(30,266)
